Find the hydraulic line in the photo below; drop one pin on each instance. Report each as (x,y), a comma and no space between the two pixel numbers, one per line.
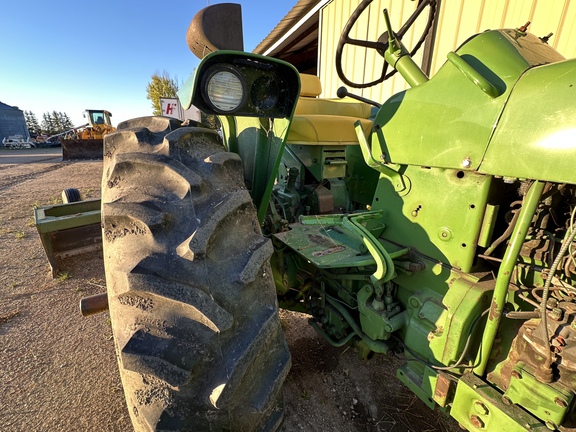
(328,339)
(376,346)
(506,234)
(526,213)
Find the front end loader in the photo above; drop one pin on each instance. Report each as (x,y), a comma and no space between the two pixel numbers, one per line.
(87,142)
(438,224)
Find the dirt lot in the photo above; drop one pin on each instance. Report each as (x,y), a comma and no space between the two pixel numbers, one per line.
(58,370)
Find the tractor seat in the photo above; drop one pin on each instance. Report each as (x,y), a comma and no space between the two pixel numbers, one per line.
(319,121)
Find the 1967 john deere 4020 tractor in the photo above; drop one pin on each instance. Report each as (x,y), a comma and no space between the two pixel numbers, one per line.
(439,224)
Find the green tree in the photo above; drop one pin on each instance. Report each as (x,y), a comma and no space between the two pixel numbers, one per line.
(32,123)
(57,122)
(67,122)
(27,119)
(47,123)
(35,124)
(161,86)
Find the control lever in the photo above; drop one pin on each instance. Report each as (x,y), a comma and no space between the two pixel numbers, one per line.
(342,92)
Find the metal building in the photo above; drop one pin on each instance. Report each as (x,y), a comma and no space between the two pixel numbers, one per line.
(12,122)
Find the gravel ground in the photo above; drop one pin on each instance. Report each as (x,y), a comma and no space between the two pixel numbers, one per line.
(58,370)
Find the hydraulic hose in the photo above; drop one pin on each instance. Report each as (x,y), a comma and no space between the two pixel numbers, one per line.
(326,337)
(376,346)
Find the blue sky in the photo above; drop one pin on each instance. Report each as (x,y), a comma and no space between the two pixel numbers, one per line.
(69,55)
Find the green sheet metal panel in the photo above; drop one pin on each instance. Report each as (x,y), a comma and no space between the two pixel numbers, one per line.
(326,245)
(69,229)
(538,124)
(441,215)
(448,121)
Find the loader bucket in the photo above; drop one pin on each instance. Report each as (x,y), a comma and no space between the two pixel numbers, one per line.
(69,229)
(78,149)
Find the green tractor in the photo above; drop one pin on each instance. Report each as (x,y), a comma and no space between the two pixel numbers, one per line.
(439,224)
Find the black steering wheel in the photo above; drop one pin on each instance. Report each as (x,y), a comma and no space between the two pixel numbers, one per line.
(381,45)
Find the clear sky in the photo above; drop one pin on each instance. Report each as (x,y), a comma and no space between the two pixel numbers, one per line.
(69,55)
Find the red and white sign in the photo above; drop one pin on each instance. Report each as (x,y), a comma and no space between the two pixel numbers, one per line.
(171,108)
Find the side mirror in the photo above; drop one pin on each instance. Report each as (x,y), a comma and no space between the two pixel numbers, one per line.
(216,27)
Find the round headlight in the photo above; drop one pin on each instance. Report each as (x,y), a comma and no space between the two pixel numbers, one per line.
(225,90)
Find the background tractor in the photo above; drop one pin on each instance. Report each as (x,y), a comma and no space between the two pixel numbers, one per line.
(438,224)
(86,142)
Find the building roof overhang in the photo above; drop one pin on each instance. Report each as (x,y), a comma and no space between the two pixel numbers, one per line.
(295,37)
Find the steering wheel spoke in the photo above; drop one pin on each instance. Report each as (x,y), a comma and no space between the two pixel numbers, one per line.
(367,44)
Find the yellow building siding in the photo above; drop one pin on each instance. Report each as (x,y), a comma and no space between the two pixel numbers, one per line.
(360,64)
(458,20)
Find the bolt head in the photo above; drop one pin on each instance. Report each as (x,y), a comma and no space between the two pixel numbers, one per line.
(481,408)
(560,402)
(467,162)
(555,314)
(476,421)
(551,425)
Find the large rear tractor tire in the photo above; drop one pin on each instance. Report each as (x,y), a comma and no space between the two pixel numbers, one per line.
(192,302)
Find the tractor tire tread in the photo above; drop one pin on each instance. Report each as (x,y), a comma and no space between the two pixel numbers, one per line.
(190,289)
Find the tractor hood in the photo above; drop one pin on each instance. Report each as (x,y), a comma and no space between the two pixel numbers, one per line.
(492,85)
(535,137)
